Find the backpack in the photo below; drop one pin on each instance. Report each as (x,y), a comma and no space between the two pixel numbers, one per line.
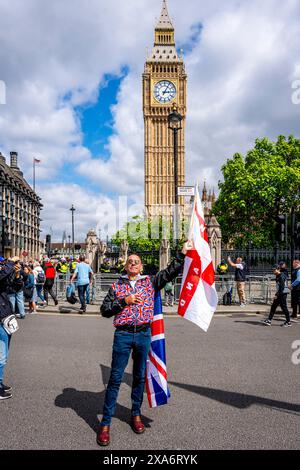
(40,279)
(227,297)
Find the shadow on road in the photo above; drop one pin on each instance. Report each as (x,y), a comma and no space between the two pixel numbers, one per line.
(238,400)
(88,405)
(255,323)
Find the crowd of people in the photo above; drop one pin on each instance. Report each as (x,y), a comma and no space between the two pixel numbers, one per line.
(33,281)
(284,287)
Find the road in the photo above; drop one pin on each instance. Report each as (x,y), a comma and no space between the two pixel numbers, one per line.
(234,387)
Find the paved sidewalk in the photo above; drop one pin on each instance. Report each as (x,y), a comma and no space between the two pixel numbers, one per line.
(232,310)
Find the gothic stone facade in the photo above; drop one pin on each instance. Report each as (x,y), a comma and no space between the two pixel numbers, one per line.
(19,212)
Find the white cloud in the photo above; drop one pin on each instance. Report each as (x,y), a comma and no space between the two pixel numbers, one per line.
(54,55)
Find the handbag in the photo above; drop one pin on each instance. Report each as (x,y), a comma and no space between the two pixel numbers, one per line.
(28,293)
(70,294)
(10,324)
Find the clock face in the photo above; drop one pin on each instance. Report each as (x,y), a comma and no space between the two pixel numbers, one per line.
(164,91)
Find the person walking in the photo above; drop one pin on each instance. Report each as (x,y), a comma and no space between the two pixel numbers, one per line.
(280,298)
(29,290)
(240,278)
(7,269)
(131,301)
(295,289)
(39,281)
(83,275)
(50,274)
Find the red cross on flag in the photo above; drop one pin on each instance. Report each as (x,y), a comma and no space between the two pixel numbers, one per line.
(198,298)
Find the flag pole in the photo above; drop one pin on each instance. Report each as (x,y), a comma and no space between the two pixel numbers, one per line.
(34,174)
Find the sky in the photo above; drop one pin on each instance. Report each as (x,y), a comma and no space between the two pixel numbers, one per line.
(72,73)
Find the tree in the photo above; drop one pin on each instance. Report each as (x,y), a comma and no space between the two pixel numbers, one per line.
(257,189)
(144,237)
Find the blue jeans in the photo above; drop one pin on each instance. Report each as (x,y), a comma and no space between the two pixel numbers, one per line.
(39,291)
(81,295)
(4,347)
(88,295)
(18,298)
(124,343)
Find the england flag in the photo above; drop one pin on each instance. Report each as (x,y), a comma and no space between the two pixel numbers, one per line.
(198,298)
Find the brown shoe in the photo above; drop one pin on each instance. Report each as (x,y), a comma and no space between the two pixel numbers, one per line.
(103,436)
(137,425)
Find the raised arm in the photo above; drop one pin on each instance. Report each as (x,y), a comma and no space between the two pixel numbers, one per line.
(172,271)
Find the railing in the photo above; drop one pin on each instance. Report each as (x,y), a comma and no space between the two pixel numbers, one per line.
(258,289)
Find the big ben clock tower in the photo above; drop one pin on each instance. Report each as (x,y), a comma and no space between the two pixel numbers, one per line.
(164,90)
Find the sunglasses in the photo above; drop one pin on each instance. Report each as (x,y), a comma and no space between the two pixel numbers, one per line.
(134,262)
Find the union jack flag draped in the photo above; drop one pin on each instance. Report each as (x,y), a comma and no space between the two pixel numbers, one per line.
(156,378)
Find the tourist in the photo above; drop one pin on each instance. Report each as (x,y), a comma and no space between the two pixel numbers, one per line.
(39,281)
(280,297)
(295,287)
(240,278)
(50,274)
(83,275)
(7,269)
(14,289)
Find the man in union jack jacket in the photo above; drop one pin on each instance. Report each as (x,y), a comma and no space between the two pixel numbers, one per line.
(131,301)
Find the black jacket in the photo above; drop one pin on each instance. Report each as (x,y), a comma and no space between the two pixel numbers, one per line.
(240,274)
(281,284)
(6,270)
(112,306)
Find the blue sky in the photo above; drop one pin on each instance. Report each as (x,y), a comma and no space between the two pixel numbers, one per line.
(242,61)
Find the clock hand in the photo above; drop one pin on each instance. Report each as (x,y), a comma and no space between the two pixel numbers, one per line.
(164,92)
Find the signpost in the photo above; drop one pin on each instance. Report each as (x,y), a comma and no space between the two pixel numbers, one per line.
(187,191)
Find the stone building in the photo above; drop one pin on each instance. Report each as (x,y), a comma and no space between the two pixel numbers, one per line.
(20,210)
(164,90)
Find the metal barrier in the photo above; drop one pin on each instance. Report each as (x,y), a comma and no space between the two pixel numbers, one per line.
(258,289)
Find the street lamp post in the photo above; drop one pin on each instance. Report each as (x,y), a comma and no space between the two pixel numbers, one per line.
(73,232)
(174,121)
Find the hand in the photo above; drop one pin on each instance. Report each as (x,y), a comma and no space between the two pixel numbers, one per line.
(189,245)
(133,299)
(17,268)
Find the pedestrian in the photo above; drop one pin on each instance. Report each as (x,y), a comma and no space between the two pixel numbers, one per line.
(169,294)
(72,265)
(29,290)
(14,289)
(280,298)
(62,269)
(222,268)
(7,269)
(131,301)
(240,278)
(50,274)
(295,289)
(39,281)
(83,275)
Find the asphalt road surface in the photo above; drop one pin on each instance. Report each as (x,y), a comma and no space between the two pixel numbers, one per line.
(234,387)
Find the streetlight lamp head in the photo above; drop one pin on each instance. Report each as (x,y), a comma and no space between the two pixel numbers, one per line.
(174,120)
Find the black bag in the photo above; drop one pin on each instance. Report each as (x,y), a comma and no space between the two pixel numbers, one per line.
(28,293)
(70,294)
(227,297)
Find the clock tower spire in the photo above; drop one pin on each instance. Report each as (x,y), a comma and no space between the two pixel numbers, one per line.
(164,89)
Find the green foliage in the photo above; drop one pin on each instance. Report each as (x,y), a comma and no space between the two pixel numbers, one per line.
(145,237)
(256,189)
